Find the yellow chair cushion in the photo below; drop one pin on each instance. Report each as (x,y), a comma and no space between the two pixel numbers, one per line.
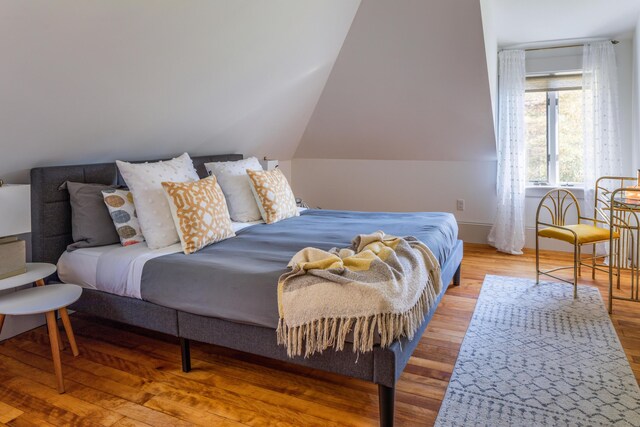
(586,233)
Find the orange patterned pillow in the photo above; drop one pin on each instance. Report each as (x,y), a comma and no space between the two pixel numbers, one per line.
(199,212)
(273,194)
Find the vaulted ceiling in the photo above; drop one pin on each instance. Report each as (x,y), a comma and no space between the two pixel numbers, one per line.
(101,80)
(410,83)
(526,21)
(91,81)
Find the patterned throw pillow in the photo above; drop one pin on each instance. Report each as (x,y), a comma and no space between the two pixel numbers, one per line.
(273,194)
(123,214)
(145,182)
(200,213)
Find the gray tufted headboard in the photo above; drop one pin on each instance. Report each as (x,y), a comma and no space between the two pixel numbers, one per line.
(50,208)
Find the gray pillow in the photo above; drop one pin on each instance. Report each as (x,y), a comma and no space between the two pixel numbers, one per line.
(91,224)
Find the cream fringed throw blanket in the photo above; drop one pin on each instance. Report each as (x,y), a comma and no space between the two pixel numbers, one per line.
(382,283)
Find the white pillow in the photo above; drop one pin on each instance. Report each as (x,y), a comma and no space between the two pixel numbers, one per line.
(234,181)
(145,183)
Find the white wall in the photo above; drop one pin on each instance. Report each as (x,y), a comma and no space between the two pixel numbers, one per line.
(285,167)
(635,99)
(405,120)
(398,185)
(91,81)
(410,83)
(491,51)
(15,325)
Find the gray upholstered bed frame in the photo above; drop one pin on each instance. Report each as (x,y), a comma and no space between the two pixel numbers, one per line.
(51,233)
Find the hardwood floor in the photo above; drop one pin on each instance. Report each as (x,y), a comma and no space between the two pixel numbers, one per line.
(130,377)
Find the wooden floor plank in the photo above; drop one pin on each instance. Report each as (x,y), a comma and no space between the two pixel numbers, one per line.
(129,377)
(8,413)
(30,419)
(128,422)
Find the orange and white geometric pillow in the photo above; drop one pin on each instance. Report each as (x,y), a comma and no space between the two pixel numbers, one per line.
(273,194)
(199,212)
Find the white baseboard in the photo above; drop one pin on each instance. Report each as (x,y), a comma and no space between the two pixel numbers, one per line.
(15,325)
(473,232)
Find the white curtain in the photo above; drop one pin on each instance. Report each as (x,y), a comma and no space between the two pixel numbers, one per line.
(507,233)
(602,152)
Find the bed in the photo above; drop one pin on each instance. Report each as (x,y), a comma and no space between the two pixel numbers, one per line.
(209,296)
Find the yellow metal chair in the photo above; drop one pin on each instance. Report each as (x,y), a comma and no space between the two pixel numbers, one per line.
(605,186)
(555,209)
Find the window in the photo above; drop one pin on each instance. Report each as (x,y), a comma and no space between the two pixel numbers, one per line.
(553,121)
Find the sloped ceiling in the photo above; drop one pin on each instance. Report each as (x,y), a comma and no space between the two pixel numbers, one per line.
(91,81)
(410,83)
(526,21)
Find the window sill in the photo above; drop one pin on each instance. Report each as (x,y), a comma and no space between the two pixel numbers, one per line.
(538,191)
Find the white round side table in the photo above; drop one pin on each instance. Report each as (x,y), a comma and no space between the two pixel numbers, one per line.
(36,272)
(42,299)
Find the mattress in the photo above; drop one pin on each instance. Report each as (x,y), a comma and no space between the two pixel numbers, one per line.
(236,279)
(114,268)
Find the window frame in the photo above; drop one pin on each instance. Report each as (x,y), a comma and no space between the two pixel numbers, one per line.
(553,166)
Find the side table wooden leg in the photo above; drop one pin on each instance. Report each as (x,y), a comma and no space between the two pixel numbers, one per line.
(69,330)
(2,316)
(60,343)
(59,336)
(40,282)
(55,350)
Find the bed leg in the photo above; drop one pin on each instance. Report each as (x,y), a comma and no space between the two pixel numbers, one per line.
(186,354)
(456,276)
(386,398)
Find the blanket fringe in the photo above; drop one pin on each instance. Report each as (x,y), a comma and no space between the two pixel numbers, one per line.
(318,335)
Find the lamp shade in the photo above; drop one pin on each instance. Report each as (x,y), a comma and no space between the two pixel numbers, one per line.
(15,210)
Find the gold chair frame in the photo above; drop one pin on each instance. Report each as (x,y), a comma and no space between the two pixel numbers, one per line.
(606,186)
(626,252)
(558,203)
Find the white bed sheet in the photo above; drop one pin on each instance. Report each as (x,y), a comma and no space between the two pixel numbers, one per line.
(115,269)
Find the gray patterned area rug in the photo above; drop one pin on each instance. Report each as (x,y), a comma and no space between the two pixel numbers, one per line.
(534,356)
